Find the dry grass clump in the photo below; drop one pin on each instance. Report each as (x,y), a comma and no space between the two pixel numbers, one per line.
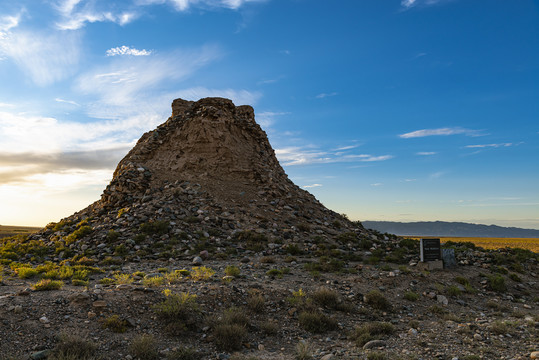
(144,347)
(115,324)
(48,284)
(377,300)
(316,322)
(256,301)
(178,311)
(304,350)
(73,347)
(326,297)
(230,329)
(371,331)
(184,353)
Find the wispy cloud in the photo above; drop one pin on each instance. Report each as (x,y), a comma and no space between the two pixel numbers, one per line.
(312,186)
(325,95)
(437,175)
(66,101)
(267,118)
(183,5)
(408,4)
(127,85)
(45,58)
(426,153)
(348,147)
(439,132)
(306,155)
(377,184)
(76,13)
(126,50)
(481,146)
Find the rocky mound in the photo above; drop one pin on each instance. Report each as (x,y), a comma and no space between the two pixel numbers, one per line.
(206,176)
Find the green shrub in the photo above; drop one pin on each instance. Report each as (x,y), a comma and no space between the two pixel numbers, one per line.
(232,270)
(155,228)
(144,347)
(230,329)
(26,272)
(154,281)
(496,283)
(377,300)
(316,322)
(78,234)
(326,297)
(411,296)
(115,324)
(454,291)
(515,277)
(112,236)
(79,282)
(178,311)
(201,273)
(370,331)
(294,249)
(107,281)
(47,284)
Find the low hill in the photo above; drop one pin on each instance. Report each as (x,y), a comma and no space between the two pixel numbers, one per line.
(6,230)
(443,228)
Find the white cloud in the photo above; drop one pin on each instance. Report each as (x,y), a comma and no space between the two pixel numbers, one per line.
(8,22)
(312,186)
(76,13)
(324,95)
(349,147)
(183,5)
(377,184)
(426,153)
(66,101)
(127,85)
(408,4)
(440,131)
(489,145)
(266,118)
(436,175)
(45,58)
(296,155)
(126,50)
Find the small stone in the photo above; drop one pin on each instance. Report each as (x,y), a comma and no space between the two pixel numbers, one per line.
(197,260)
(327,357)
(534,355)
(79,297)
(17,309)
(261,347)
(44,320)
(24,292)
(99,304)
(245,260)
(91,314)
(412,331)
(204,254)
(442,299)
(477,337)
(374,344)
(124,287)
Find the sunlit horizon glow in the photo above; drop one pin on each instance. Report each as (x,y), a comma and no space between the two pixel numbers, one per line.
(401,110)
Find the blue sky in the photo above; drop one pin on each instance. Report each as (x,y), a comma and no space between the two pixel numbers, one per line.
(383,109)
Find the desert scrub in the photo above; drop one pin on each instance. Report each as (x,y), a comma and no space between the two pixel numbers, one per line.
(371,331)
(201,273)
(304,350)
(453,290)
(48,284)
(326,297)
(144,347)
(256,301)
(253,241)
(71,347)
(179,312)
(154,281)
(123,279)
(377,300)
(297,298)
(78,234)
(115,324)
(26,272)
(107,281)
(411,296)
(230,329)
(278,272)
(155,228)
(112,236)
(232,270)
(496,283)
(316,322)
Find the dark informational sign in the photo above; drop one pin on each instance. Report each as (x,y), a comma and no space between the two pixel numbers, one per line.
(430,250)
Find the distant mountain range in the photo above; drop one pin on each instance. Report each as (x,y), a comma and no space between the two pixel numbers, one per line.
(453,229)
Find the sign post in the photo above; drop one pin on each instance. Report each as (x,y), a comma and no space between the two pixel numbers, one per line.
(431,253)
